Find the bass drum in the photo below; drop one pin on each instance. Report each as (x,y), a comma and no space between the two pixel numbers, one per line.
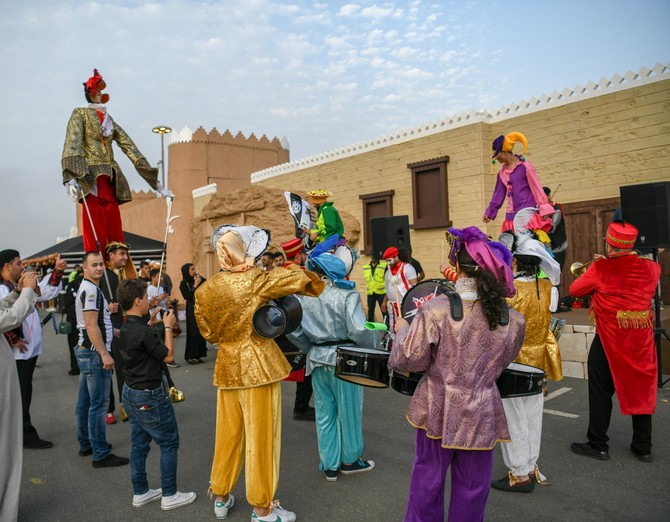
(414,298)
(363,366)
(346,255)
(422,293)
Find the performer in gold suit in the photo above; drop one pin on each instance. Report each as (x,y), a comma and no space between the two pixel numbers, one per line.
(540,349)
(248,370)
(88,160)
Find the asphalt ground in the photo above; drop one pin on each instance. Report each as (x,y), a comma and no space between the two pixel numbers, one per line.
(59,485)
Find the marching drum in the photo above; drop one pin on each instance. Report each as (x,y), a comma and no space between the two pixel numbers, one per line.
(363,366)
(521,380)
(405,383)
(414,298)
(346,255)
(422,293)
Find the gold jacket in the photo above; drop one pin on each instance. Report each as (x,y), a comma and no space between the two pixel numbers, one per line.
(87,155)
(224,308)
(540,348)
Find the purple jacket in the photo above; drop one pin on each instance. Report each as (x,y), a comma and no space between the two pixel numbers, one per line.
(522,188)
(457,400)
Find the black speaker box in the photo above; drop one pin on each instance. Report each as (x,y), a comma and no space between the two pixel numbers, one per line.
(647,206)
(388,232)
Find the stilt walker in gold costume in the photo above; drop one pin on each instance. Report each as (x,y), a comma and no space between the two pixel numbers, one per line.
(90,171)
(248,370)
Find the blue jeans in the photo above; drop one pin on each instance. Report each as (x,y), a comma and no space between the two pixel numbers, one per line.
(152,417)
(92,404)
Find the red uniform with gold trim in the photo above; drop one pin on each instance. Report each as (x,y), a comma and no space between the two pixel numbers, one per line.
(622,287)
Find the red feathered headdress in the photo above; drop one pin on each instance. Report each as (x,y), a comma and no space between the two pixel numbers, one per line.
(95,84)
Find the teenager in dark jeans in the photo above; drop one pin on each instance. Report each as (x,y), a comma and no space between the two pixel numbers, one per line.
(146,398)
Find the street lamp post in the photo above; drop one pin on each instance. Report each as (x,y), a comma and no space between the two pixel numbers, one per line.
(162,130)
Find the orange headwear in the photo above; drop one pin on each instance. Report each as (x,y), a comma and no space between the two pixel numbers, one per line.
(506,143)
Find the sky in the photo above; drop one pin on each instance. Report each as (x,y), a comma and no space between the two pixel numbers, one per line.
(321,74)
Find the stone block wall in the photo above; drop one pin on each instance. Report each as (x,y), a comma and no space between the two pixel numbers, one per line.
(574,343)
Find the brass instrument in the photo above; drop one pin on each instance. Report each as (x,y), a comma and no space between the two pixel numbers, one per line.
(578,268)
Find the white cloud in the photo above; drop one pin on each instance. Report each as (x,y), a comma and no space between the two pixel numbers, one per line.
(349,10)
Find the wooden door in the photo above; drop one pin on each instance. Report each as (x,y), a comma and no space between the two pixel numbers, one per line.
(586,226)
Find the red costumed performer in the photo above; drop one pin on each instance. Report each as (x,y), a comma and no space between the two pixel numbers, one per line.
(622,357)
(89,168)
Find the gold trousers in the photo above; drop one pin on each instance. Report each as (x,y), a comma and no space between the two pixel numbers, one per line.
(248,429)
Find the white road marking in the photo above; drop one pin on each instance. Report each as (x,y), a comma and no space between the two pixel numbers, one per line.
(562,414)
(556,393)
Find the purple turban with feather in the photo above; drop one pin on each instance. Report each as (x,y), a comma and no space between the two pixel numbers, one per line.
(492,256)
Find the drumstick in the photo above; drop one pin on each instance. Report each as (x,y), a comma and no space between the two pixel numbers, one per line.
(397,297)
(443,251)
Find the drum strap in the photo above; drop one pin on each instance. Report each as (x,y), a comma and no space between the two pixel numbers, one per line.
(455,304)
(504,317)
(337,343)
(457,308)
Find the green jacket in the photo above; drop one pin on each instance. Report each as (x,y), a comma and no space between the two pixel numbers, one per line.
(374,284)
(328,222)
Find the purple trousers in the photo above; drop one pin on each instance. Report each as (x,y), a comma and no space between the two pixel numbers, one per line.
(471,472)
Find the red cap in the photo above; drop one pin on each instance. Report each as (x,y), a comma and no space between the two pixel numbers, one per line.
(621,235)
(292,248)
(390,252)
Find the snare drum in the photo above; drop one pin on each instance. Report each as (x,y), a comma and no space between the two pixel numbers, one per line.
(521,380)
(363,366)
(405,384)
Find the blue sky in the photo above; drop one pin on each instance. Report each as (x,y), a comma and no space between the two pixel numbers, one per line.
(323,75)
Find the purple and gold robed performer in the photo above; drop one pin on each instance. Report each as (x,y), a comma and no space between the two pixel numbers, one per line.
(456,408)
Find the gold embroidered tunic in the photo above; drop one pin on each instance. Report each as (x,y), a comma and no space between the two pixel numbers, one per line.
(87,154)
(224,308)
(540,348)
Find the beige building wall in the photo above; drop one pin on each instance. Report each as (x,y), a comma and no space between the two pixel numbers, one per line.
(588,140)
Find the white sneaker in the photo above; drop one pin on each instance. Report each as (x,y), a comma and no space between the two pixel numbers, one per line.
(278,514)
(221,508)
(179,499)
(149,496)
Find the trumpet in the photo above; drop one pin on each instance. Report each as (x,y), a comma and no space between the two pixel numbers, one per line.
(578,268)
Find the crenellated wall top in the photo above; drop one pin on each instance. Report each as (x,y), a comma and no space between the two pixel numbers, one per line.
(227,138)
(556,99)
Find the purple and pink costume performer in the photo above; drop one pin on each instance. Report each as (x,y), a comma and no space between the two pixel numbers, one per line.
(520,185)
(456,407)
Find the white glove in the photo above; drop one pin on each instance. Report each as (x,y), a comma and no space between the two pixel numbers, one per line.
(73,188)
(164,191)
